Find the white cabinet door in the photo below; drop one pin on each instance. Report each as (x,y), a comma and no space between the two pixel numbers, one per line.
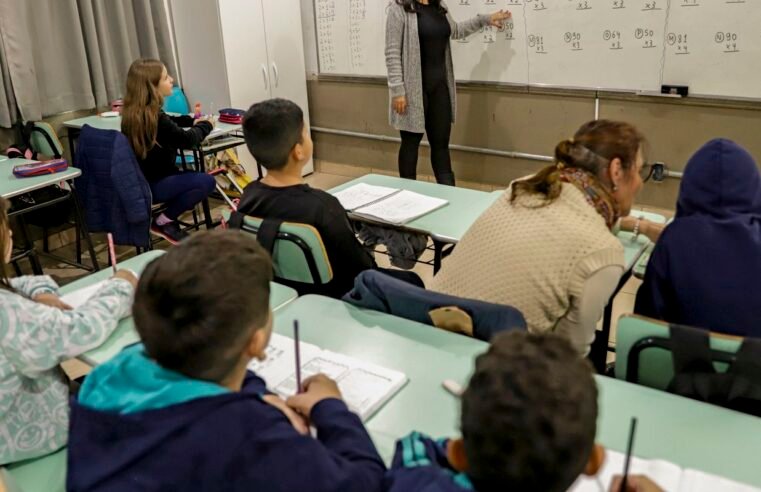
(248,69)
(245,44)
(200,52)
(285,45)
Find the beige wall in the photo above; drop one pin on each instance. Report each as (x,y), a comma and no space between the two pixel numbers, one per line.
(514,119)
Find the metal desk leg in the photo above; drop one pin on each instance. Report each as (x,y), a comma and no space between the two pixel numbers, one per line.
(82,226)
(438,255)
(598,353)
(29,245)
(73,135)
(201,160)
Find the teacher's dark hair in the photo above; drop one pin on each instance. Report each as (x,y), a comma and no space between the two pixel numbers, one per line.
(409,5)
(591,149)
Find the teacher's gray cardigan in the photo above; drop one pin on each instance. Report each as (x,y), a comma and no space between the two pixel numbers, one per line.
(403,63)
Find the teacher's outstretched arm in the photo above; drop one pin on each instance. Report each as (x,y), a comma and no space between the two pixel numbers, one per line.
(463,29)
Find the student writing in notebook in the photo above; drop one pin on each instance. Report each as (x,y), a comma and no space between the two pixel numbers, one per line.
(37,332)
(156,137)
(182,412)
(528,422)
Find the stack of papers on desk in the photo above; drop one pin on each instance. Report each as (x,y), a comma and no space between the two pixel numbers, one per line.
(365,387)
(385,204)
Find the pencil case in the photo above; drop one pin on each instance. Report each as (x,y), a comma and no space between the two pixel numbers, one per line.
(39,168)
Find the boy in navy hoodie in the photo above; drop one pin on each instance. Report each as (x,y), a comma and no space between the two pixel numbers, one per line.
(528,424)
(182,412)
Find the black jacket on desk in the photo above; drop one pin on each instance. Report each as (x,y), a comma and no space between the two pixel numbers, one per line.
(321,210)
(171,137)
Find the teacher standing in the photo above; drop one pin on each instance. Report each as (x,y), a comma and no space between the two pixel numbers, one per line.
(421,78)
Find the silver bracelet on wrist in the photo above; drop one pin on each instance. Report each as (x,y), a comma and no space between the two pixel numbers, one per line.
(635,231)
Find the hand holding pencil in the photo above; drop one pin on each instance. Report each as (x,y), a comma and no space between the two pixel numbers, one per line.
(315,389)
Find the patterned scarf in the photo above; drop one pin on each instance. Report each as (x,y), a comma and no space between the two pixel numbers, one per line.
(596,194)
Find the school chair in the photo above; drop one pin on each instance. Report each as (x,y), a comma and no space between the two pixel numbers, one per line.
(176,102)
(298,253)
(644,356)
(44,474)
(42,140)
(379,291)
(114,193)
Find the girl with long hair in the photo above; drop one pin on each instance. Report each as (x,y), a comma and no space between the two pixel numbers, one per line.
(156,138)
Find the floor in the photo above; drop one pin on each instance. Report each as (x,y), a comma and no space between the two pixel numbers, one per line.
(338,174)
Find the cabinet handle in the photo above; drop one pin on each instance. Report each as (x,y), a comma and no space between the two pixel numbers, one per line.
(264,77)
(277,75)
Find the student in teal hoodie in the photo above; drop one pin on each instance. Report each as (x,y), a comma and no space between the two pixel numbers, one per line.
(182,412)
(38,331)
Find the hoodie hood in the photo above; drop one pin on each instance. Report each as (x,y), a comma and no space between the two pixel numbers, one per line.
(131,382)
(721,180)
(136,425)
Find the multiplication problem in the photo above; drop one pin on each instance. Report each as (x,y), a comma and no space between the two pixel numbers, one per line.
(647,36)
(679,42)
(651,5)
(508,29)
(489,34)
(613,37)
(573,39)
(619,4)
(728,40)
(582,5)
(536,4)
(536,41)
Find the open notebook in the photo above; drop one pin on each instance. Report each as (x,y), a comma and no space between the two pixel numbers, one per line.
(365,387)
(385,204)
(668,476)
(78,297)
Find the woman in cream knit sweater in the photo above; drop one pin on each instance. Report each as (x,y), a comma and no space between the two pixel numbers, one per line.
(546,246)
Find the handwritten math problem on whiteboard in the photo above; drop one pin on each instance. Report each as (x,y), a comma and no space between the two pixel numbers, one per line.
(713,46)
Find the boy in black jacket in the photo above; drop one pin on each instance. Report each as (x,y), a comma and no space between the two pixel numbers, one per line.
(278,138)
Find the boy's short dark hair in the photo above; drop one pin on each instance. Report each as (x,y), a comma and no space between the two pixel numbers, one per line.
(196,306)
(529,414)
(271,129)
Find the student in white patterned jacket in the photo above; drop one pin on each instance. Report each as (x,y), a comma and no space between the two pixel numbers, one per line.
(37,332)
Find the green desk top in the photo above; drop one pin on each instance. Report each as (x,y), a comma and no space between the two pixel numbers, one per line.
(688,433)
(676,429)
(641,266)
(11,186)
(115,123)
(635,248)
(125,333)
(449,223)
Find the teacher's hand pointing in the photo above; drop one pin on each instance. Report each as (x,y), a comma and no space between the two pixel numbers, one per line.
(497,19)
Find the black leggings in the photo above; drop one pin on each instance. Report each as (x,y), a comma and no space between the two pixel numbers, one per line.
(438,125)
